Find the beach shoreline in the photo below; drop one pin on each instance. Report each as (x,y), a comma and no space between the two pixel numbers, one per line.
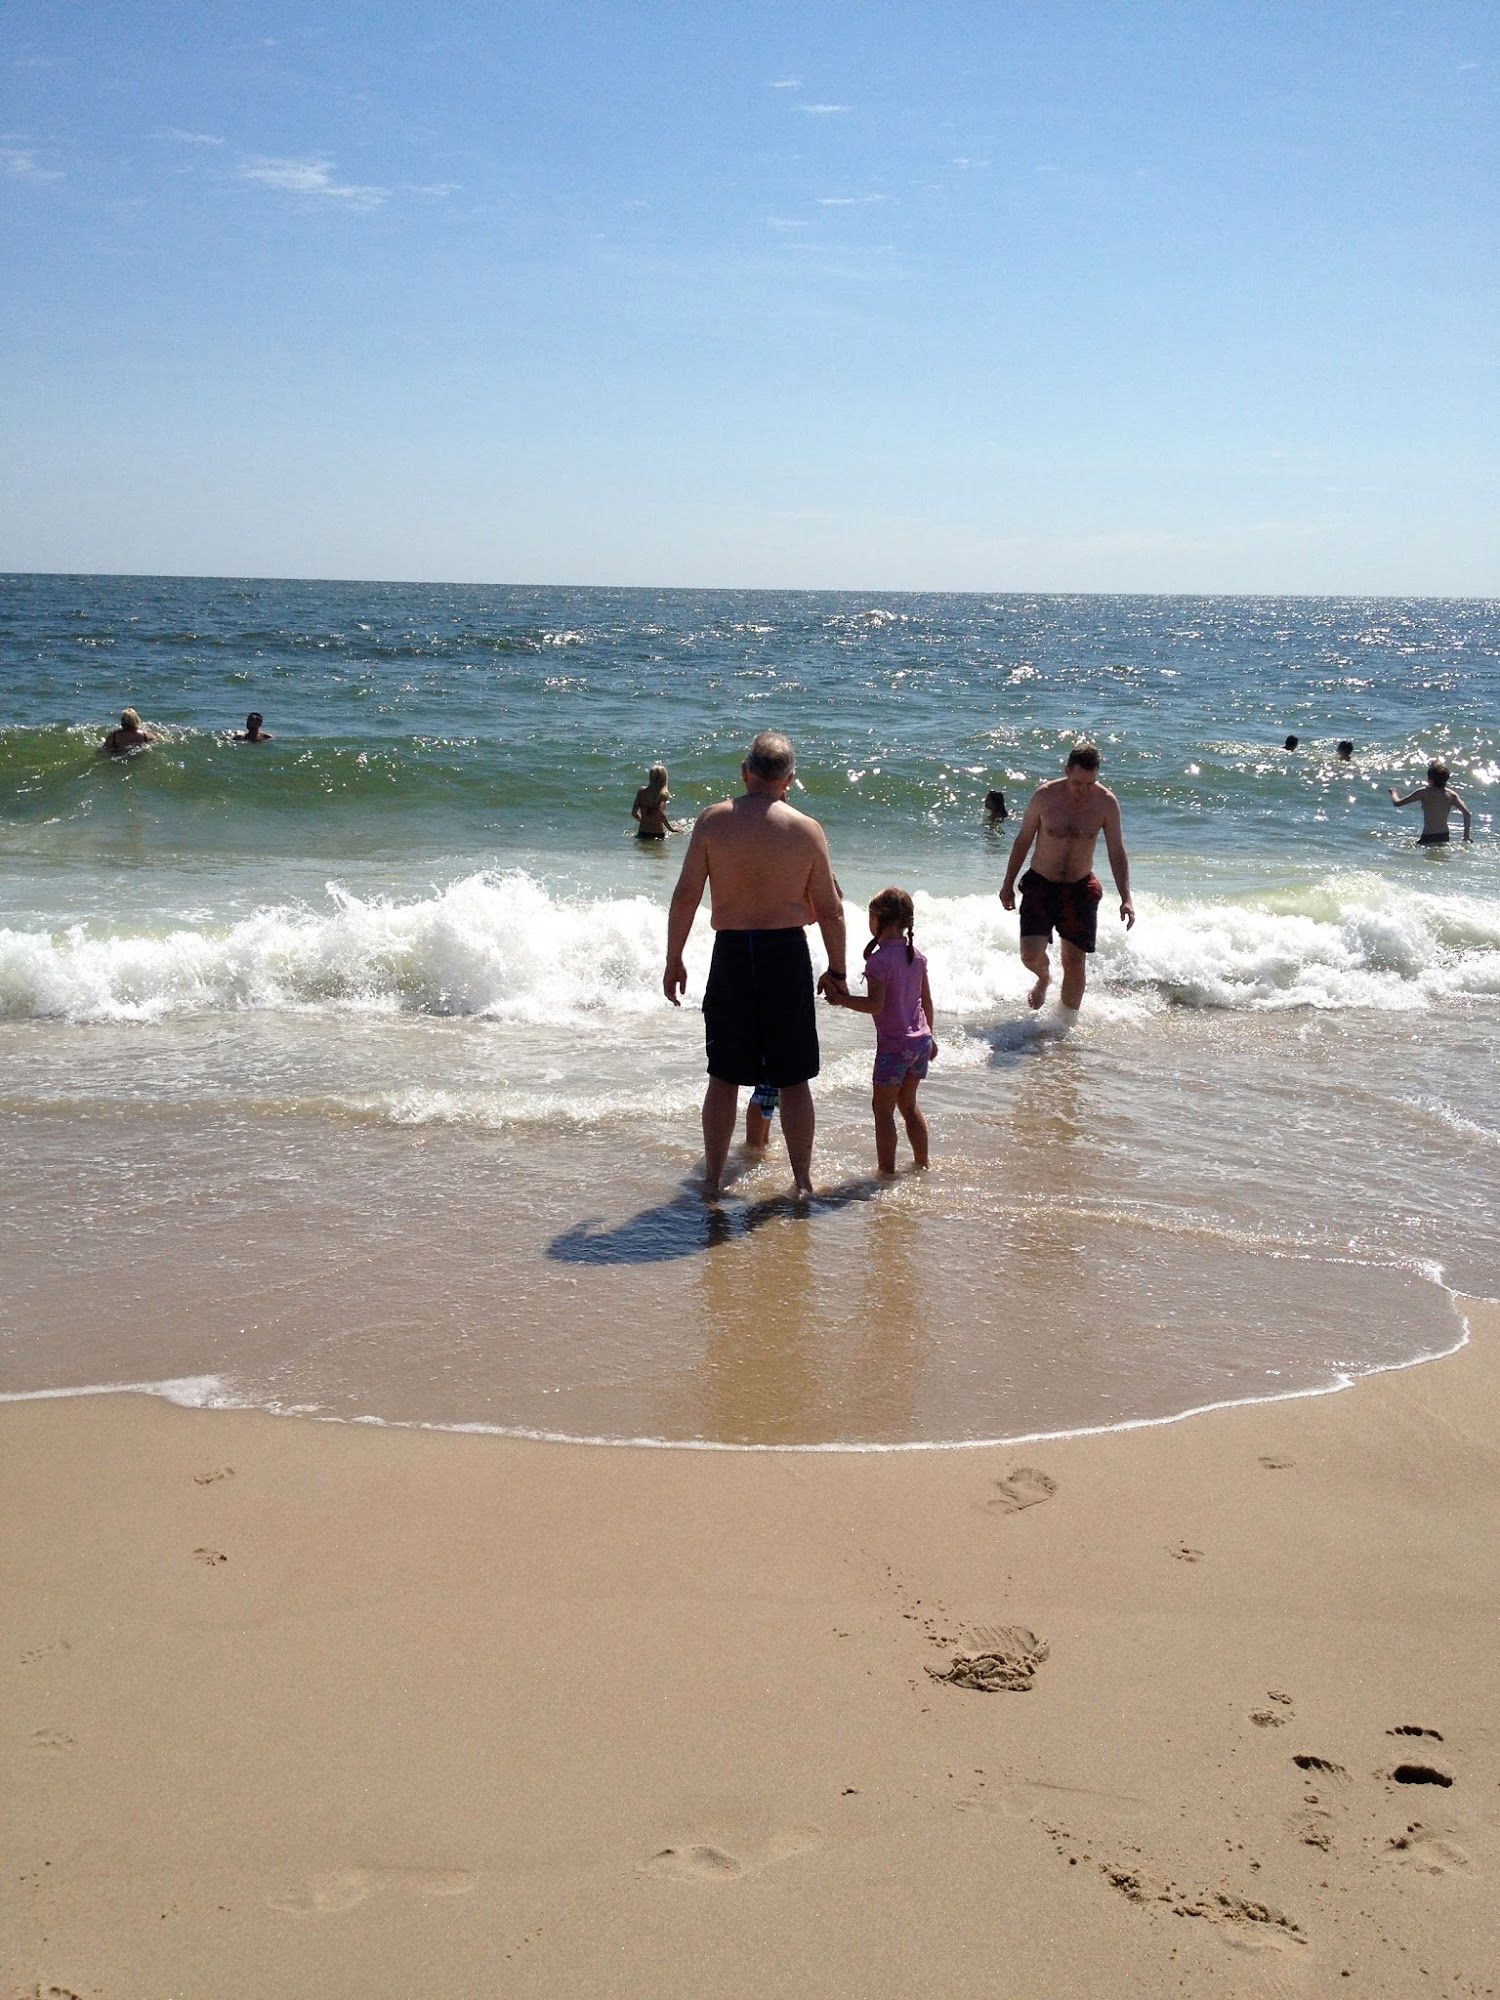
(299,1707)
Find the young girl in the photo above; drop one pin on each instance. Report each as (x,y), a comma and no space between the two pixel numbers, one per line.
(650,809)
(901,1001)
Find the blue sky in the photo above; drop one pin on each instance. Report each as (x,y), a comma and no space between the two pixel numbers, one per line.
(954,296)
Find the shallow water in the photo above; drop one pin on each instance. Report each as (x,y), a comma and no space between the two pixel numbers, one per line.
(337,1071)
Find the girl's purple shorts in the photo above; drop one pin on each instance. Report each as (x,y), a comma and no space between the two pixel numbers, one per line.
(894,1066)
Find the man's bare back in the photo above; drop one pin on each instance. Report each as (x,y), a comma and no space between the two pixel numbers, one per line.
(762,857)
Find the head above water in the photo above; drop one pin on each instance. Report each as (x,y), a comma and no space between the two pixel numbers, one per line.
(656,778)
(254,719)
(1290,743)
(1083,761)
(1346,750)
(1437,773)
(770,762)
(129,719)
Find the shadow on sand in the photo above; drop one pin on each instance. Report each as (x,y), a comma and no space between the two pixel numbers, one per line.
(687,1225)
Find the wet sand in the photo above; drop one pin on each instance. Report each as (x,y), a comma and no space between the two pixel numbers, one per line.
(292,1708)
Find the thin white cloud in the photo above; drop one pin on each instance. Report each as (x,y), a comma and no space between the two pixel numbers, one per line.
(823,110)
(849,200)
(434,190)
(785,222)
(20,163)
(311,179)
(189,138)
(787,83)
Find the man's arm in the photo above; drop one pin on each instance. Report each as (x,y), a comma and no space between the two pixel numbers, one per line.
(684,907)
(1119,860)
(1020,847)
(828,910)
(1463,809)
(1410,799)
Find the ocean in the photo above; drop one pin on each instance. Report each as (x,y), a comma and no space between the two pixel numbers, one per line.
(337,1078)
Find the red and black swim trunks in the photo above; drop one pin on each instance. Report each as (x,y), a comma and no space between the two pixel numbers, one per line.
(1069,908)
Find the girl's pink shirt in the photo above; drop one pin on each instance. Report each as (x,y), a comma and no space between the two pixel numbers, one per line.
(902,1021)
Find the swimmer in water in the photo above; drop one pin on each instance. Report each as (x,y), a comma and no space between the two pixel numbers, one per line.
(650,808)
(252,731)
(994,807)
(1437,804)
(129,736)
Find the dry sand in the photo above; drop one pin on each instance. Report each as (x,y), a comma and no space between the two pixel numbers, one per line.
(301,1710)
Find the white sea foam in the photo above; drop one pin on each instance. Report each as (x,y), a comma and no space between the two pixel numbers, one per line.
(503,947)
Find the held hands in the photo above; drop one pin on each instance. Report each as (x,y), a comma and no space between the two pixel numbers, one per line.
(834,988)
(674,980)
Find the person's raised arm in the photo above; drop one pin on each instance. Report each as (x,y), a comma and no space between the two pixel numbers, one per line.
(1020,847)
(1119,860)
(828,910)
(684,907)
(1410,799)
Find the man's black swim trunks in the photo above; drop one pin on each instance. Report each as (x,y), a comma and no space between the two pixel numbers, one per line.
(1069,908)
(759,1012)
(1434,839)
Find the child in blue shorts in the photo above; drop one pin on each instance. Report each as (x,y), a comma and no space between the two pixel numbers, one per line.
(899,997)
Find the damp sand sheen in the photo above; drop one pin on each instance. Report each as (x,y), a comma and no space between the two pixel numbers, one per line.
(338,1086)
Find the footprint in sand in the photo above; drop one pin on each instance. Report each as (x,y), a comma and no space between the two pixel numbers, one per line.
(1025,1487)
(1419,1774)
(210,1556)
(1184,1554)
(1273,1464)
(1006,1663)
(1277,1715)
(701,1861)
(1314,1829)
(208,1478)
(323,1895)
(47,1652)
(52,1739)
(1322,1767)
(1427,1852)
(1415,1729)
(345,1888)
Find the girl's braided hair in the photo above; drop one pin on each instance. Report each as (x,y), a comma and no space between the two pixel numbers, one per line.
(894,906)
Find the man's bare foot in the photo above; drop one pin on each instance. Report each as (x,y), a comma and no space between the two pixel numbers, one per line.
(802,1191)
(712,1191)
(1038,992)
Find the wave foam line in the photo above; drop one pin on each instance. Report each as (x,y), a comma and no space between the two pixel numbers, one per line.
(221,1400)
(502,946)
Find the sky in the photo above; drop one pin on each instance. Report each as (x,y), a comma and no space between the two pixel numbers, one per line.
(1056,295)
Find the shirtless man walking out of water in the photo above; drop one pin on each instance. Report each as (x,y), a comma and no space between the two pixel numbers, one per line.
(766,866)
(1059,891)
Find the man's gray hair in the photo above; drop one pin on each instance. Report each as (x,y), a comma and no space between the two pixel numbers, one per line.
(771,756)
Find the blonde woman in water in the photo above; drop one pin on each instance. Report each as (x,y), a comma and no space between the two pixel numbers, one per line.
(650,809)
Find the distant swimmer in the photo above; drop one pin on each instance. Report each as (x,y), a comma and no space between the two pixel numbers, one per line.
(1060,892)
(1290,743)
(1346,751)
(252,731)
(1437,803)
(129,736)
(650,808)
(994,807)
(763,863)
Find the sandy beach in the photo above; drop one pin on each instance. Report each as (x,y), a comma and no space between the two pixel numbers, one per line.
(297,1708)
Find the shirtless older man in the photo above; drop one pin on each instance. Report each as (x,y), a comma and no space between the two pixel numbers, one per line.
(766,866)
(1059,891)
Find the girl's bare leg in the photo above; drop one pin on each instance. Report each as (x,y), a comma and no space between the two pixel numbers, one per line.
(916,1124)
(883,1098)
